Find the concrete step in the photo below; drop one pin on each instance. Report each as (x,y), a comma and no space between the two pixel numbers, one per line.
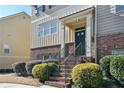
(55,84)
(59,78)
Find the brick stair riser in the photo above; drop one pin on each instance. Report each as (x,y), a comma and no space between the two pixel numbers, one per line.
(67,66)
(66,70)
(62,74)
(61,85)
(68,63)
(59,79)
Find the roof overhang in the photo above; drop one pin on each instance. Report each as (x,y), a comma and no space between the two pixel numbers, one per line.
(78,14)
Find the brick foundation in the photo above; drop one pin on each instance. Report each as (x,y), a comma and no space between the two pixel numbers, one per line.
(105,44)
(51,49)
(69,47)
(44,50)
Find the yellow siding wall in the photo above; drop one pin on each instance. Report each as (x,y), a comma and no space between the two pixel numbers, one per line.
(15,31)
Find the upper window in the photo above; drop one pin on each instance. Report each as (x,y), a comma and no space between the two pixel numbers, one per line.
(51,6)
(40,8)
(47,28)
(53,26)
(40,30)
(119,8)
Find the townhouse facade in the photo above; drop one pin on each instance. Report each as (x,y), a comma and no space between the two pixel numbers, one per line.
(86,30)
(14,39)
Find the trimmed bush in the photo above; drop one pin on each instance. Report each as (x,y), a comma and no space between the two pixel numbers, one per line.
(117,68)
(53,67)
(51,61)
(40,71)
(105,65)
(31,64)
(87,75)
(19,68)
(43,71)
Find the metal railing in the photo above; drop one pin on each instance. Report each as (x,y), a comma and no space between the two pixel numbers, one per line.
(72,57)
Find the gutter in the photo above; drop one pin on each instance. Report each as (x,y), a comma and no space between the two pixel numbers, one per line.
(96,34)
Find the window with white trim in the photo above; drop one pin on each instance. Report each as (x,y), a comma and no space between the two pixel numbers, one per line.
(7,49)
(47,28)
(53,27)
(40,31)
(119,8)
(40,8)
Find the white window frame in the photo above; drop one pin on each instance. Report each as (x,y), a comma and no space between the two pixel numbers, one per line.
(7,46)
(50,27)
(118,11)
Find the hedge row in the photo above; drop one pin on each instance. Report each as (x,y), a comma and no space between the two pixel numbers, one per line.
(113,65)
(43,71)
(24,69)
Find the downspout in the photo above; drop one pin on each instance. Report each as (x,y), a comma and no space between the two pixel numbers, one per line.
(95,34)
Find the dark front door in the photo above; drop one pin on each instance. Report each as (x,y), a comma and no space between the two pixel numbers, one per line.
(80,42)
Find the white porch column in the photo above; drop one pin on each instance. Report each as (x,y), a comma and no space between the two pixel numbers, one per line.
(62,40)
(89,28)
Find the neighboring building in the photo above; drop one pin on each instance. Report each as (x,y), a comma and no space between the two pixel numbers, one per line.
(14,39)
(84,31)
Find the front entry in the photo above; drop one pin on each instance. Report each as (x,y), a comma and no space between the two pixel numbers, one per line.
(80,42)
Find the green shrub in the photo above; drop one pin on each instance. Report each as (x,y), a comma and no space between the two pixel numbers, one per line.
(51,61)
(53,67)
(43,71)
(105,65)
(87,75)
(19,68)
(117,68)
(40,71)
(31,64)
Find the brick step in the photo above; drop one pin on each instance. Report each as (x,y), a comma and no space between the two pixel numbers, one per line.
(68,63)
(58,78)
(67,70)
(62,74)
(55,84)
(67,66)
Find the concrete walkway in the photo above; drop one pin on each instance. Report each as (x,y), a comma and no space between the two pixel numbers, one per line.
(11,85)
(13,81)
(12,78)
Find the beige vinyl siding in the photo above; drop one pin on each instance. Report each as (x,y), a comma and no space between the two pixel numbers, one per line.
(48,40)
(69,35)
(55,38)
(108,22)
(52,39)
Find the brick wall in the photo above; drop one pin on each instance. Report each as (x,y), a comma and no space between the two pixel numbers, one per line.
(51,49)
(105,44)
(44,50)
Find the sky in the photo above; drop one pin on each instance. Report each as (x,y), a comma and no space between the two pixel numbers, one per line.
(6,10)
